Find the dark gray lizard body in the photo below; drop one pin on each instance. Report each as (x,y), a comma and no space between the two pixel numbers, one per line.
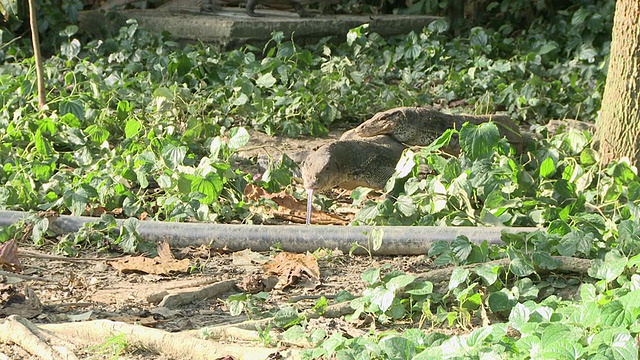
(420,126)
(351,162)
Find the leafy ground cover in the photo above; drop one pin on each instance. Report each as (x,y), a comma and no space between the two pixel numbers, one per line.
(139,126)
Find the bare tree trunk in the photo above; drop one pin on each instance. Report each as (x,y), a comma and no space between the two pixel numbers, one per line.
(618,130)
(36,53)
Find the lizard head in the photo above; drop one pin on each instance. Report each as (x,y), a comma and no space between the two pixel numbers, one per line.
(381,123)
(320,169)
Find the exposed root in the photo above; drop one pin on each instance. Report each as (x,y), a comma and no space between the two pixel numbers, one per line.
(60,341)
(41,343)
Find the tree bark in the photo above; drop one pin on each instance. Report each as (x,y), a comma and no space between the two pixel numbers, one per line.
(618,126)
(36,53)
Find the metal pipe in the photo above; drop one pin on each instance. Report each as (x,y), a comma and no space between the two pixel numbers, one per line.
(396,240)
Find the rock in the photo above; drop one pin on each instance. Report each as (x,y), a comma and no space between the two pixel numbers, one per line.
(298,5)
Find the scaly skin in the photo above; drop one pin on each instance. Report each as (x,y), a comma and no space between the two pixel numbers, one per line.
(420,126)
(353,162)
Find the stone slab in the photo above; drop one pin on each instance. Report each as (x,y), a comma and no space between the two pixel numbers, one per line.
(231,27)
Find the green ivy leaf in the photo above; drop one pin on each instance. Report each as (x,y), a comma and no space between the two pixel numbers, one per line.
(97,133)
(461,247)
(608,269)
(371,275)
(377,235)
(438,26)
(123,109)
(132,128)
(42,171)
(614,314)
(399,282)
(286,317)
(421,288)
(294,333)
(519,316)
(521,268)
(129,238)
(478,336)
(174,155)
(241,99)
(180,66)
(544,260)
(488,273)
(383,298)
(440,142)
(43,145)
(562,349)
(575,241)
(501,300)
(266,80)
(479,141)
(405,205)
(547,168)
(574,142)
(397,348)
(210,186)
(439,247)
(238,137)
(458,276)
(588,157)
(236,303)
(72,106)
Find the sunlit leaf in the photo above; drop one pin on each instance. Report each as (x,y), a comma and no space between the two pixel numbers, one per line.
(174,155)
(479,141)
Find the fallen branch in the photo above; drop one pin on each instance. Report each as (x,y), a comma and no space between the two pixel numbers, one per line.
(567,264)
(25,277)
(36,254)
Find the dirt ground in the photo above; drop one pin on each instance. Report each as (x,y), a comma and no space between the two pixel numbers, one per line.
(69,291)
(60,290)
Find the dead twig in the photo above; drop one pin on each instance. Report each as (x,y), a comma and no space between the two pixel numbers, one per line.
(39,255)
(25,277)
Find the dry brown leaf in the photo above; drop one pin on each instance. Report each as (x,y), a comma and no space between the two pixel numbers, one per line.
(9,256)
(292,209)
(203,251)
(163,264)
(247,258)
(227,357)
(164,251)
(294,269)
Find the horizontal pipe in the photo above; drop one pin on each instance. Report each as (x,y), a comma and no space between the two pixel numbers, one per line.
(396,240)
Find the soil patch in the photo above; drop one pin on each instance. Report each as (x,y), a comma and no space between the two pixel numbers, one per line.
(83,290)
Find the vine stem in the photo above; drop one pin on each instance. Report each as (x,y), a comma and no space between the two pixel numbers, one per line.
(36,53)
